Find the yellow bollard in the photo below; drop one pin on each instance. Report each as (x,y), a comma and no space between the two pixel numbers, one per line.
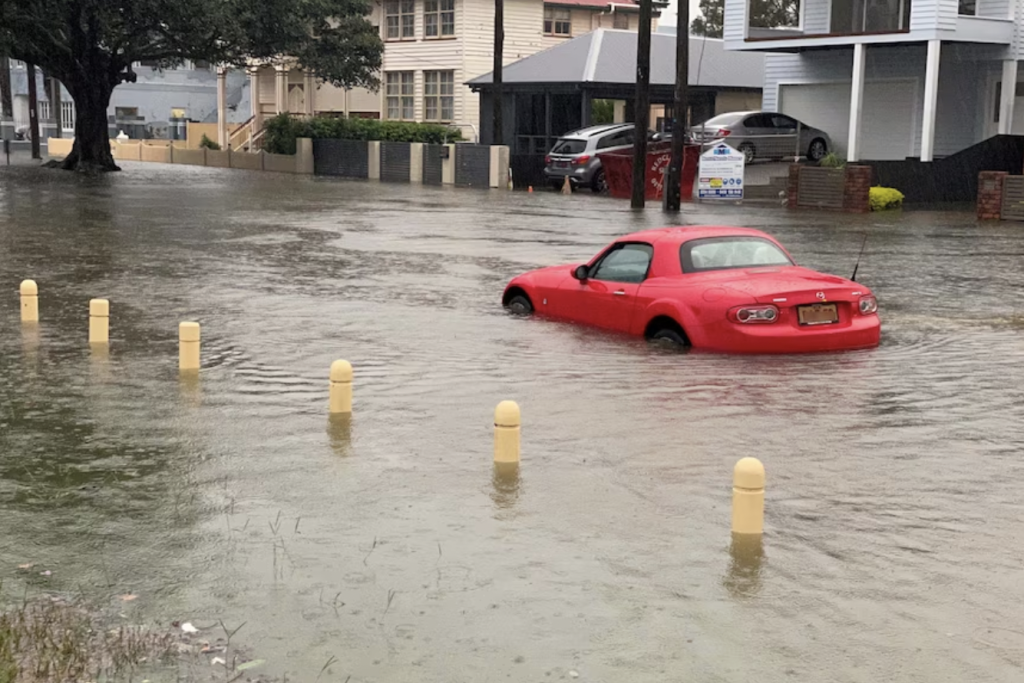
(566,186)
(29,301)
(188,346)
(507,420)
(99,321)
(748,497)
(341,387)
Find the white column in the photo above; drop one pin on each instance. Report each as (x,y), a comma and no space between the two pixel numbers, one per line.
(931,98)
(222,107)
(309,90)
(1007,96)
(254,91)
(856,103)
(281,89)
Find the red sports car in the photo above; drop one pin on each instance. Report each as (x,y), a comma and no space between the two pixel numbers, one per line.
(715,288)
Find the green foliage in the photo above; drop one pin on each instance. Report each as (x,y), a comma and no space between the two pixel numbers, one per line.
(885,198)
(763,14)
(602,111)
(207,143)
(832,160)
(283,130)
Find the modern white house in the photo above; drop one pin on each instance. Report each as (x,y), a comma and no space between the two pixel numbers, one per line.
(891,79)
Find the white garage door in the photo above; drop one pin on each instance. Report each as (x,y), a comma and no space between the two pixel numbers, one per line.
(889,117)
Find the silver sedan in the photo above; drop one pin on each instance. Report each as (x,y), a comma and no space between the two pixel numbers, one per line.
(764,135)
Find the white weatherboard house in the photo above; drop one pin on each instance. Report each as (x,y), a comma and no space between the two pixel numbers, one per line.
(891,79)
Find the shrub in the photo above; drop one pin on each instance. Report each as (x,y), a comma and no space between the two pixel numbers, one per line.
(283,130)
(832,160)
(885,198)
(207,143)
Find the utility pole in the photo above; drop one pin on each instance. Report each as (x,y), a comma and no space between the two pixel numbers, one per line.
(642,107)
(679,110)
(498,136)
(53,94)
(33,111)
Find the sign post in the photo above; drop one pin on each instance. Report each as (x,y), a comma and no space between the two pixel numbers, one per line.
(721,173)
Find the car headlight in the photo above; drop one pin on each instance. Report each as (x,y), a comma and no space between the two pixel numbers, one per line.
(755,314)
(868,305)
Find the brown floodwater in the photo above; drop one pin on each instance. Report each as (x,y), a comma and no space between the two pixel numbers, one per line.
(894,535)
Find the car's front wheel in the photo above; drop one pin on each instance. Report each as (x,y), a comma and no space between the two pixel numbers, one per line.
(600,183)
(667,337)
(817,150)
(519,305)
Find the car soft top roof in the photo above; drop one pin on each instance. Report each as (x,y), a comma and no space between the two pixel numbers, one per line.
(684,233)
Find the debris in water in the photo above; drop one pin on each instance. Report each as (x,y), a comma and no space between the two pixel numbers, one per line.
(217,660)
(46,573)
(574,674)
(25,567)
(187,627)
(128,597)
(249,665)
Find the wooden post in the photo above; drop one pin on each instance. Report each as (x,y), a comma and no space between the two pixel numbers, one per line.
(680,109)
(53,95)
(33,111)
(498,135)
(643,104)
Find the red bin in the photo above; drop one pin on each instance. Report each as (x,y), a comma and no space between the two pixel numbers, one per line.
(618,171)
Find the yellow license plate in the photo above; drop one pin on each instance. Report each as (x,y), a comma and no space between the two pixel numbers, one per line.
(817,314)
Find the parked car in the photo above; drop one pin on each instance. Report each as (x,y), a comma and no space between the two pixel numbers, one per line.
(714,288)
(764,135)
(574,155)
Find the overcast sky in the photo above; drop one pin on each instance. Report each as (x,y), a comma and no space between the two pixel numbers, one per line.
(668,17)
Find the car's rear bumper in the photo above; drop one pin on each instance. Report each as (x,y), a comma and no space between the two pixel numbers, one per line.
(863,332)
(577,176)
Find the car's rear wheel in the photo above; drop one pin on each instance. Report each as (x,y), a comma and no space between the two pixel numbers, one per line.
(817,150)
(519,305)
(749,152)
(668,337)
(600,183)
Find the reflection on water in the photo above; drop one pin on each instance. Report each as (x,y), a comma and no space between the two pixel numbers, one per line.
(746,553)
(892,513)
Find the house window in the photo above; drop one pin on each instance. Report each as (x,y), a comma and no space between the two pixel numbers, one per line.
(151,63)
(557,22)
(17,64)
(44,110)
(201,65)
(438,18)
(781,13)
(400,85)
(968,7)
(620,20)
(67,115)
(400,16)
(439,95)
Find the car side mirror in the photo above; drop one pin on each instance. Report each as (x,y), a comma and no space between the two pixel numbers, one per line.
(581,273)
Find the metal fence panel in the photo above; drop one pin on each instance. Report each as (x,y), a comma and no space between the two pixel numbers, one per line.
(345,158)
(472,165)
(432,164)
(395,161)
(821,188)
(1013,198)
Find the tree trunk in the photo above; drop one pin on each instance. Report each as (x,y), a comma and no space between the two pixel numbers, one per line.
(91,151)
(6,99)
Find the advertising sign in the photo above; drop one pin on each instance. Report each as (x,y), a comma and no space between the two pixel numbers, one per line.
(721,173)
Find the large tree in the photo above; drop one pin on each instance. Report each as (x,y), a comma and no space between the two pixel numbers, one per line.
(91,45)
(763,14)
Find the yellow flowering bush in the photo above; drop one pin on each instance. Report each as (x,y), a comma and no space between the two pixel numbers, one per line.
(885,198)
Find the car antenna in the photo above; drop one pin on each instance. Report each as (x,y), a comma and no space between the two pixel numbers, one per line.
(853,278)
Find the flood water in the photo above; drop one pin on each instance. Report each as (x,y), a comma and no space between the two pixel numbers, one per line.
(894,535)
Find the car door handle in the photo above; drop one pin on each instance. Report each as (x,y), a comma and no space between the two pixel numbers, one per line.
(621,292)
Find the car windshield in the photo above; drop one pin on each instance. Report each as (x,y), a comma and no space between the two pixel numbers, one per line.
(720,253)
(569,146)
(723,120)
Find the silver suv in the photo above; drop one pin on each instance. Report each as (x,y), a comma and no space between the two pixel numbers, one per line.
(575,155)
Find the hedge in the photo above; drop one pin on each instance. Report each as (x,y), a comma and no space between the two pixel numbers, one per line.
(283,130)
(885,198)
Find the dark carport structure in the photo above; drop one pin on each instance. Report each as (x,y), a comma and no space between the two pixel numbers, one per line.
(552,92)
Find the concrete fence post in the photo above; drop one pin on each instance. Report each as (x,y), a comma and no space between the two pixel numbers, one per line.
(499,167)
(373,150)
(416,162)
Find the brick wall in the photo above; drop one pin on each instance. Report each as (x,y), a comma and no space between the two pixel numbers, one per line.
(990,195)
(857,190)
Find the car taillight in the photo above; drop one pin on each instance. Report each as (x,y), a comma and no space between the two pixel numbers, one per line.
(547,159)
(722,132)
(754,314)
(582,159)
(868,305)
